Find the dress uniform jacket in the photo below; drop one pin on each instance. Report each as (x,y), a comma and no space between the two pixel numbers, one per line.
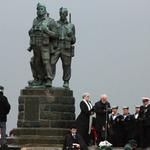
(116,122)
(138,129)
(145,117)
(128,127)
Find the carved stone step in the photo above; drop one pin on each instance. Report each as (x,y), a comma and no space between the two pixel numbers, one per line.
(52,115)
(35,139)
(46,123)
(48,107)
(40,131)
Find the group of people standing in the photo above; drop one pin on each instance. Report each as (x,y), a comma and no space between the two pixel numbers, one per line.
(49,41)
(102,122)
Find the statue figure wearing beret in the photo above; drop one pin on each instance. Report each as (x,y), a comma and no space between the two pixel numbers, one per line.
(42,41)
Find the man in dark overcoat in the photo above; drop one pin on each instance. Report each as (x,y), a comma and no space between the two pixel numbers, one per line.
(4,110)
(102,110)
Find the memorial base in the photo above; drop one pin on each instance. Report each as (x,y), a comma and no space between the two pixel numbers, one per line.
(44,117)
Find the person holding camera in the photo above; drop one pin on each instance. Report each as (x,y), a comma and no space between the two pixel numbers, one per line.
(102,110)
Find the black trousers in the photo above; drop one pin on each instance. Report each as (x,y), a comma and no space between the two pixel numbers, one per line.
(100,133)
(84,133)
(146,136)
(117,138)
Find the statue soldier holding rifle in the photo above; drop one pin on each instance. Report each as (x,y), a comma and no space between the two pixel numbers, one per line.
(42,41)
(65,48)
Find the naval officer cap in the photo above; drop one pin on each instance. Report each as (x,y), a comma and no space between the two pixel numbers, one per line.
(145,99)
(114,107)
(137,106)
(125,107)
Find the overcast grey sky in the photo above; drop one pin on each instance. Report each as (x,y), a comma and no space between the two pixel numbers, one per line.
(111,54)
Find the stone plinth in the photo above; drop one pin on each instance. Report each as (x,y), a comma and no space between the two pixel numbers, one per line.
(44,116)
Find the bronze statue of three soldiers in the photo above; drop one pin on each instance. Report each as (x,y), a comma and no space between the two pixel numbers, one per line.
(49,41)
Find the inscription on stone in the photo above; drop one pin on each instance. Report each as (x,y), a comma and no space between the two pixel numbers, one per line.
(32,113)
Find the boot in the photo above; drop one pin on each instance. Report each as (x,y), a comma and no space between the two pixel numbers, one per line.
(66,84)
(48,83)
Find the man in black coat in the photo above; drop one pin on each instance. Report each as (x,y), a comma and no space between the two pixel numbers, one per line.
(116,122)
(4,110)
(102,110)
(83,119)
(144,114)
(74,141)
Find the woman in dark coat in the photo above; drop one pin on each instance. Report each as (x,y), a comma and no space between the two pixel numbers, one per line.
(83,119)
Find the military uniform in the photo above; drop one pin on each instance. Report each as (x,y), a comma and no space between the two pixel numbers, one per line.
(138,129)
(145,117)
(42,41)
(128,127)
(116,122)
(65,50)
